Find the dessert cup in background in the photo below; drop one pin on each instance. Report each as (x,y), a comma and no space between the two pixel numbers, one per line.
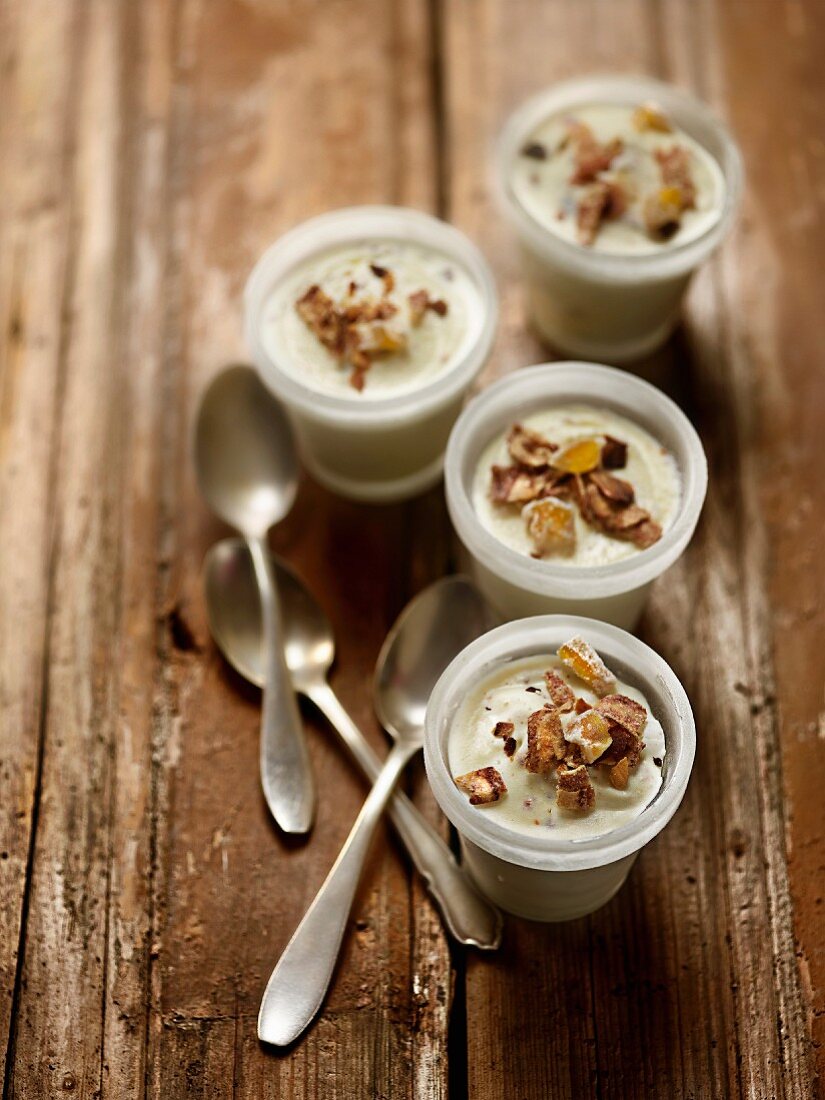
(385,443)
(545,877)
(518,585)
(606,305)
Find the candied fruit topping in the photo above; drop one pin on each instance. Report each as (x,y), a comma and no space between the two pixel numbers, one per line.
(579,457)
(649,116)
(483,785)
(551,525)
(585,662)
(591,732)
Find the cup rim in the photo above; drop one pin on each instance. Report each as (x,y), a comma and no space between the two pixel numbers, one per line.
(629,657)
(324,231)
(692,115)
(572,381)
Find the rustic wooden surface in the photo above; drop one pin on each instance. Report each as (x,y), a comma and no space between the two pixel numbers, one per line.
(147,154)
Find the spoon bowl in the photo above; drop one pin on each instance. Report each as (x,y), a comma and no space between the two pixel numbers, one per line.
(245,452)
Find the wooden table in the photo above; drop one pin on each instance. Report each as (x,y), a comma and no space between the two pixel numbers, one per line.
(149,151)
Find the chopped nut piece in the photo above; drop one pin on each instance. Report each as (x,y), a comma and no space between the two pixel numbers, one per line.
(614,453)
(645,533)
(509,746)
(625,711)
(649,116)
(504,729)
(591,211)
(619,774)
(590,157)
(560,691)
(614,488)
(578,457)
(317,310)
(591,732)
(582,705)
(582,659)
(419,302)
(551,525)
(529,447)
(623,521)
(574,791)
(545,741)
(624,743)
(483,786)
(385,276)
(674,166)
(513,485)
(534,150)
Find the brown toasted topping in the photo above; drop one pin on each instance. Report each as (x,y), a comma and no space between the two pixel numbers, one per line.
(585,662)
(353,330)
(535,150)
(504,729)
(624,743)
(614,453)
(674,166)
(560,691)
(419,302)
(650,116)
(591,732)
(590,157)
(619,774)
(574,791)
(645,533)
(509,746)
(624,711)
(513,485)
(483,785)
(591,212)
(545,741)
(551,525)
(662,212)
(614,488)
(529,448)
(582,705)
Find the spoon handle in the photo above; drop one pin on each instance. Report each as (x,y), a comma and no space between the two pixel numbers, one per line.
(286,772)
(470,918)
(299,982)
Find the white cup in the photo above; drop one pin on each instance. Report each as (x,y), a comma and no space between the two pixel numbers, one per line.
(597,305)
(518,585)
(383,449)
(543,877)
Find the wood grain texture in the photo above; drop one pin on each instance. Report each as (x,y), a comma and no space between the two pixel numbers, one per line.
(687,984)
(148,153)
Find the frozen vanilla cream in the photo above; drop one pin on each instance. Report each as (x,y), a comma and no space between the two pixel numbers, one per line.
(372,319)
(618,179)
(535,746)
(576,485)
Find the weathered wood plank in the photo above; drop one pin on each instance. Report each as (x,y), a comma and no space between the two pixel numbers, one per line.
(35,82)
(679,994)
(274,121)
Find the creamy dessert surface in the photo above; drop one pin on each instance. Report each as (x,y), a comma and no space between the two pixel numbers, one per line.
(372,319)
(648,468)
(618,179)
(511,694)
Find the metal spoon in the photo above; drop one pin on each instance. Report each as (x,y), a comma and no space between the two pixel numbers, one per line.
(432,629)
(248,472)
(235,621)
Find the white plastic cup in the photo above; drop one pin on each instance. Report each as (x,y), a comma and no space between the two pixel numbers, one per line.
(592,304)
(518,585)
(384,449)
(540,876)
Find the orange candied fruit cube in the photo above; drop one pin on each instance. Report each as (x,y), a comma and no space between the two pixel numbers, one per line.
(578,457)
(649,116)
(551,525)
(591,732)
(585,662)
